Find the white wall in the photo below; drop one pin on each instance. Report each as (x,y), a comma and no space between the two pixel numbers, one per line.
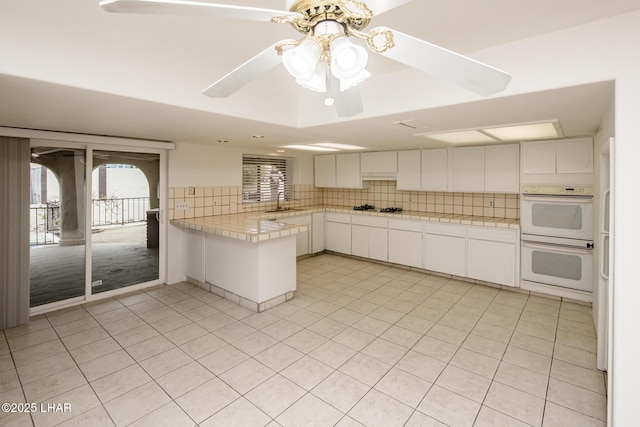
(194,165)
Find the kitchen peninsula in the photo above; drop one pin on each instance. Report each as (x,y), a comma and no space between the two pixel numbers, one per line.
(244,258)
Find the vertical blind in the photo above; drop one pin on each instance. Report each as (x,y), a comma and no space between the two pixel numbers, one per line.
(266,179)
(15,155)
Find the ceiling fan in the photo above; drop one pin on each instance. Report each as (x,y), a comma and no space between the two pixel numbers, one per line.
(325,59)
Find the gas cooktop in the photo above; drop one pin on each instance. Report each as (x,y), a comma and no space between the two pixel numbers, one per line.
(363,208)
(391,210)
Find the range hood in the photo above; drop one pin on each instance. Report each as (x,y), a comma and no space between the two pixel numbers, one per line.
(379,176)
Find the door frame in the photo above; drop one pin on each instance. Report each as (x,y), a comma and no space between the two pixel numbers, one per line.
(89,143)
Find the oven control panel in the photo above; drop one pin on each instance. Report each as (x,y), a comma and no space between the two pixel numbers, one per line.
(576,190)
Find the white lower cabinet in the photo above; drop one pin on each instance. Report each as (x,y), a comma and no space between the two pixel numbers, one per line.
(338,232)
(492,255)
(445,248)
(317,232)
(303,240)
(369,237)
(483,253)
(405,242)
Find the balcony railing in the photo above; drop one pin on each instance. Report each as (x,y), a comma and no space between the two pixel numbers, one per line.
(45,219)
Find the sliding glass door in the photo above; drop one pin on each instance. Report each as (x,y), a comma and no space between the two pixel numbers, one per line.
(95,222)
(125,226)
(57,216)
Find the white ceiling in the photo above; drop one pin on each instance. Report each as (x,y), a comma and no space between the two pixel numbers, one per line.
(66,65)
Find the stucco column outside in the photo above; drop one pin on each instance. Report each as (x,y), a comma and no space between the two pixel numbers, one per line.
(68,166)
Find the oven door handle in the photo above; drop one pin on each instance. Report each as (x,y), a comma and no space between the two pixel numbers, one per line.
(557,199)
(563,248)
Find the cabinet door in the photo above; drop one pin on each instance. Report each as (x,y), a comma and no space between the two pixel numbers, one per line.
(493,255)
(348,171)
(405,247)
(574,156)
(468,169)
(538,157)
(502,168)
(303,240)
(317,232)
(338,237)
(492,261)
(360,240)
(445,254)
(435,169)
(325,170)
(409,170)
(378,239)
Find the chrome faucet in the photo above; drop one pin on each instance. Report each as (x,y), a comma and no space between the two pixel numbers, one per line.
(278,201)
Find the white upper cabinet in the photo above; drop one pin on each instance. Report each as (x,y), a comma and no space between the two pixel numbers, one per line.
(409,170)
(568,156)
(379,165)
(325,170)
(501,167)
(348,171)
(574,156)
(338,171)
(539,157)
(468,169)
(435,169)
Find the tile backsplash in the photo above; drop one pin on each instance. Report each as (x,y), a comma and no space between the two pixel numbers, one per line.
(383,194)
(208,201)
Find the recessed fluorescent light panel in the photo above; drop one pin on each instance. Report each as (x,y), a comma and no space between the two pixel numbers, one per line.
(526,131)
(324,146)
(309,148)
(461,137)
(338,146)
(516,132)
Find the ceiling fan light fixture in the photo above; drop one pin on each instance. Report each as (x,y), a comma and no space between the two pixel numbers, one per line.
(318,80)
(347,59)
(302,61)
(348,62)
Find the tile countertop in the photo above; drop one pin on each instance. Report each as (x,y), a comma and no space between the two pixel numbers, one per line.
(256,226)
(484,221)
(248,226)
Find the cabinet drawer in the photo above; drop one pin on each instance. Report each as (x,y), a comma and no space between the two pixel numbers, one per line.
(507,236)
(445,230)
(338,217)
(398,224)
(372,221)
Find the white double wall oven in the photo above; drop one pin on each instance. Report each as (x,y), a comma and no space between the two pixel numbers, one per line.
(557,237)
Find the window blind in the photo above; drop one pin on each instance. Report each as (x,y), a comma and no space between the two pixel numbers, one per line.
(266,179)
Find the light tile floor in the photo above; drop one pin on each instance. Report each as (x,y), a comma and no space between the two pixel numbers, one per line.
(360,344)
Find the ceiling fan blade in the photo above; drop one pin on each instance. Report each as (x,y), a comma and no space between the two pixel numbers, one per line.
(245,73)
(382,6)
(443,63)
(347,103)
(196,8)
